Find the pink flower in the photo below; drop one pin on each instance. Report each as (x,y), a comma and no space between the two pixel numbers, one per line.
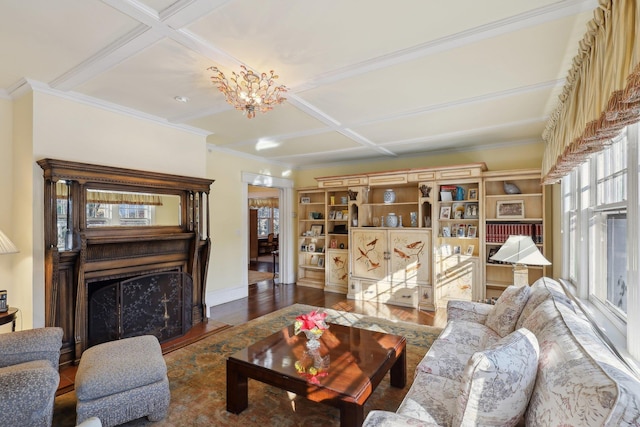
(311,321)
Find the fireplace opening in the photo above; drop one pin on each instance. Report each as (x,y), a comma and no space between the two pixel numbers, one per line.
(153,304)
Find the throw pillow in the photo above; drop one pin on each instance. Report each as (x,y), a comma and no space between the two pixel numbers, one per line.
(502,319)
(498,382)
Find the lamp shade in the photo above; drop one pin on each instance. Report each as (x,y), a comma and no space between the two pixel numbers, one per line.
(520,250)
(6,245)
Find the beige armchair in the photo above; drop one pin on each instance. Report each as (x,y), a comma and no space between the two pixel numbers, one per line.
(29,376)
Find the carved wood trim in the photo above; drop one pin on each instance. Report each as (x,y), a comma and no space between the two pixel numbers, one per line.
(101,253)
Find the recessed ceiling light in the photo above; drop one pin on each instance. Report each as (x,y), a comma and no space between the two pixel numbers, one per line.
(181,98)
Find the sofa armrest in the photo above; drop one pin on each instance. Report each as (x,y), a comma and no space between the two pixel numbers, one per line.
(391,419)
(468,310)
(27,393)
(32,344)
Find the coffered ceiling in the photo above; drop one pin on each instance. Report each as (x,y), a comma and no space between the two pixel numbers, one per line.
(367,79)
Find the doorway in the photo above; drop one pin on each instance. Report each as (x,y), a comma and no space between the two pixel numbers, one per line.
(264,233)
(286,236)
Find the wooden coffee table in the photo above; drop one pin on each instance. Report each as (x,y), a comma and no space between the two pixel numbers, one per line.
(359,359)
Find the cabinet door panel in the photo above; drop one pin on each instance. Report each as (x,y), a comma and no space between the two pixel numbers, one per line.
(337,265)
(458,274)
(410,256)
(368,253)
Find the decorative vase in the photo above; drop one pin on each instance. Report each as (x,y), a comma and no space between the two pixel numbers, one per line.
(389,196)
(414,218)
(313,339)
(510,188)
(391,220)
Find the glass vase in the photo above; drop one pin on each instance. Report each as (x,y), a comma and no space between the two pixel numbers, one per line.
(313,339)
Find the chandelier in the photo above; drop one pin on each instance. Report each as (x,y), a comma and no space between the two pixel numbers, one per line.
(248,91)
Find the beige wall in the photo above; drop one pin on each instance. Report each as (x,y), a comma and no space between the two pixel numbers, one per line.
(6,194)
(229,206)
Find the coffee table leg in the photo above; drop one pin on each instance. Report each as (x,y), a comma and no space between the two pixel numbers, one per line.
(399,370)
(237,390)
(351,415)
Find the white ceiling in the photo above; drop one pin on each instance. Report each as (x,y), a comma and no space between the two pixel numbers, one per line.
(366,79)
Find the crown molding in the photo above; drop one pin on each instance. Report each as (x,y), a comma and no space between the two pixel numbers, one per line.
(35,86)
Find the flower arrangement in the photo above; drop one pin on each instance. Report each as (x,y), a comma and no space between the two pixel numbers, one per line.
(312,324)
(311,373)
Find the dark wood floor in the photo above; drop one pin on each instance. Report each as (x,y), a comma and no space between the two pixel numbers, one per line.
(265,297)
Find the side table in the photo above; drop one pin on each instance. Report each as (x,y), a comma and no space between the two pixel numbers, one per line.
(9,316)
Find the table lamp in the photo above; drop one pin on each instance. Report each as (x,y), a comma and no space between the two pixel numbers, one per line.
(6,247)
(520,251)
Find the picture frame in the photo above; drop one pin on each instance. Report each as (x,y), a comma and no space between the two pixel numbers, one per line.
(470,249)
(456,250)
(446,231)
(446,196)
(510,209)
(316,229)
(461,231)
(458,209)
(321,261)
(311,247)
(332,214)
(471,210)
(338,215)
(445,212)
(472,232)
(305,199)
(472,194)
(333,244)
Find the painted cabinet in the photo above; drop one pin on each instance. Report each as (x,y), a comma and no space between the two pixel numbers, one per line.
(390,265)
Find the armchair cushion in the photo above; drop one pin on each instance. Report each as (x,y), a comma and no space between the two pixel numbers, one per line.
(27,391)
(498,382)
(29,376)
(505,313)
(31,344)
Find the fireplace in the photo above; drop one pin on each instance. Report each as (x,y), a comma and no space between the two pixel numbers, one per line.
(152,304)
(138,267)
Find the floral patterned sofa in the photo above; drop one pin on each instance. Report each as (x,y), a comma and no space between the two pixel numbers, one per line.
(532,358)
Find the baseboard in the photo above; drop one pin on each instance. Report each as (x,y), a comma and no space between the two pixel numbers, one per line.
(222,296)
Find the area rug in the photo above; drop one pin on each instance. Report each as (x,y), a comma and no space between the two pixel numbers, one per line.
(259,276)
(197,377)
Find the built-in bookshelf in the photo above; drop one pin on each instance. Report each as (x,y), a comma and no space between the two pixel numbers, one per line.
(514,205)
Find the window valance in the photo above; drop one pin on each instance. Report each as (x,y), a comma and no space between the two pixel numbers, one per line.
(602,92)
(261,203)
(113,197)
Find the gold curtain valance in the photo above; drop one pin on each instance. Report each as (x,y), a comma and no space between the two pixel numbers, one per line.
(113,198)
(262,203)
(602,92)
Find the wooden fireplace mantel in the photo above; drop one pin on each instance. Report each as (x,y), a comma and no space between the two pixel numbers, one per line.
(117,252)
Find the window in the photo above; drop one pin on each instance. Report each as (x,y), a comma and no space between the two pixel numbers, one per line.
(268,221)
(595,209)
